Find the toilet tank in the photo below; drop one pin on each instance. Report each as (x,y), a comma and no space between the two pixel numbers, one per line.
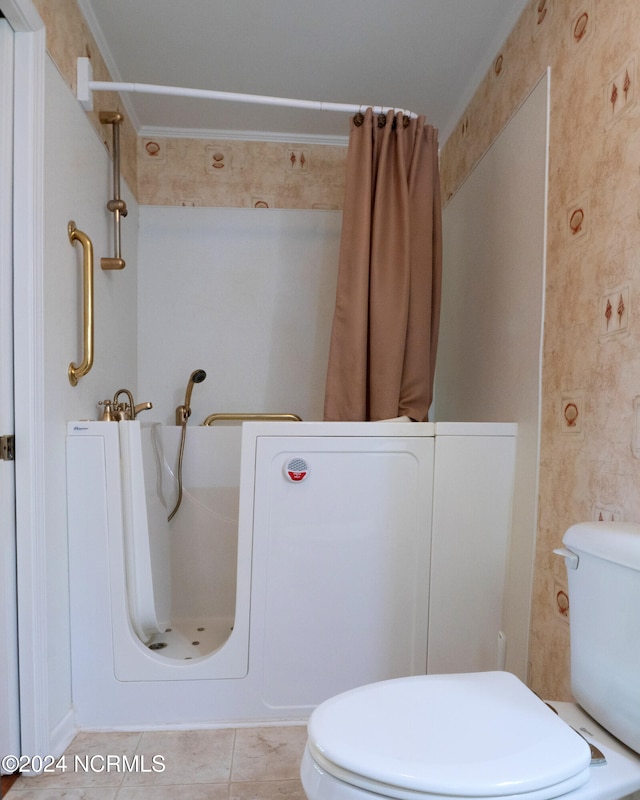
(604,596)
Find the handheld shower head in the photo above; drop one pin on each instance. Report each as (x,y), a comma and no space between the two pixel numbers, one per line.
(182,416)
(197,376)
(184,412)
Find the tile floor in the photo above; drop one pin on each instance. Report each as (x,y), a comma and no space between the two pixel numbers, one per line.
(226,764)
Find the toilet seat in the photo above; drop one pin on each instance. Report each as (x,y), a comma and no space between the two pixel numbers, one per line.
(479,735)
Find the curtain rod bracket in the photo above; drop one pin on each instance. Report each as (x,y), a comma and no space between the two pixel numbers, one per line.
(84,76)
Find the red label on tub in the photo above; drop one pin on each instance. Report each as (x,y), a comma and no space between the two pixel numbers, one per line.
(297,476)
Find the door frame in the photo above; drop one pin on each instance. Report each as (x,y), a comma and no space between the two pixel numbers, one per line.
(28,259)
(9,687)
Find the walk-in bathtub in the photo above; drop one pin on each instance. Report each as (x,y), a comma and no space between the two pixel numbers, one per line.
(299,564)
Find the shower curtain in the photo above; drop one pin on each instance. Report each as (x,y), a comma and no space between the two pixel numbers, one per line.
(385,325)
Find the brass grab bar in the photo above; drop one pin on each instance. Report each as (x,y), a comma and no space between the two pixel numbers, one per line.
(117,205)
(77,371)
(213,418)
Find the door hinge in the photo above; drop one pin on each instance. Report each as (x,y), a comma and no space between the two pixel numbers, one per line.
(7,447)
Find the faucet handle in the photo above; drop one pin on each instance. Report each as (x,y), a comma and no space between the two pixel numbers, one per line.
(107,416)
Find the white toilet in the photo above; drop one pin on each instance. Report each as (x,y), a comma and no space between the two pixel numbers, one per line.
(486,735)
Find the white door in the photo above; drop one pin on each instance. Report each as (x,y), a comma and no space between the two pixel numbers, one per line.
(9,708)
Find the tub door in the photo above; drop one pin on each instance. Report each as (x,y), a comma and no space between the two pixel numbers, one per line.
(341,562)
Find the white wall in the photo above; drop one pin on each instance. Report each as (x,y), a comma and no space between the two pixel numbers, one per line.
(488,365)
(77,187)
(245,294)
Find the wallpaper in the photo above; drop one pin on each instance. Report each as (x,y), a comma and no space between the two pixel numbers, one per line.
(590,446)
(204,172)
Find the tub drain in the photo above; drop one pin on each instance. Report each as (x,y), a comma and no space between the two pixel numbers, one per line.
(157,646)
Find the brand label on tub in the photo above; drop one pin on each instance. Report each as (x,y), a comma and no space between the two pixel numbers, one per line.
(296,469)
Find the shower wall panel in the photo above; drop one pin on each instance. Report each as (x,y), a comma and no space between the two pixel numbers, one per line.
(76,187)
(492,310)
(245,294)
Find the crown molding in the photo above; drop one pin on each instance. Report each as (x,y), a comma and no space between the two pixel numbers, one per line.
(155,132)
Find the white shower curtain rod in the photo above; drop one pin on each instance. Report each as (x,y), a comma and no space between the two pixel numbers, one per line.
(86,85)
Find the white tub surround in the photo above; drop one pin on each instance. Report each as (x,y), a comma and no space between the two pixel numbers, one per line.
(346,566)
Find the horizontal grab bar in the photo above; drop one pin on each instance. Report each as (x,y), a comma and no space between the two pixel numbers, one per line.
(213,418)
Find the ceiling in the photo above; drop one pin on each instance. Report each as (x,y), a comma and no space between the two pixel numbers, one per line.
(427,56)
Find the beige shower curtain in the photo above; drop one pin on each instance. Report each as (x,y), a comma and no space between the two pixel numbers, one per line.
(385,326)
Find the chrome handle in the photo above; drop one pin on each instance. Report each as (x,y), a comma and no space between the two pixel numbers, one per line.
(571,560)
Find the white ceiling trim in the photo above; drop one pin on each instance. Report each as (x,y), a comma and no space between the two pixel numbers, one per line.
(154,132)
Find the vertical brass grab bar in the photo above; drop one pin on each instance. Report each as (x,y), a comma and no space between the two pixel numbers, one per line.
(117,205)
(77,371)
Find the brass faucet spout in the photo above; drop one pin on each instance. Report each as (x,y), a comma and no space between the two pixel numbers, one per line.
(141,407)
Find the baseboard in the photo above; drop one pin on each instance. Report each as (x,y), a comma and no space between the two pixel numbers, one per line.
(63,733)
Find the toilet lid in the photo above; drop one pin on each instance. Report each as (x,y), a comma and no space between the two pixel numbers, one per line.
(471,735)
